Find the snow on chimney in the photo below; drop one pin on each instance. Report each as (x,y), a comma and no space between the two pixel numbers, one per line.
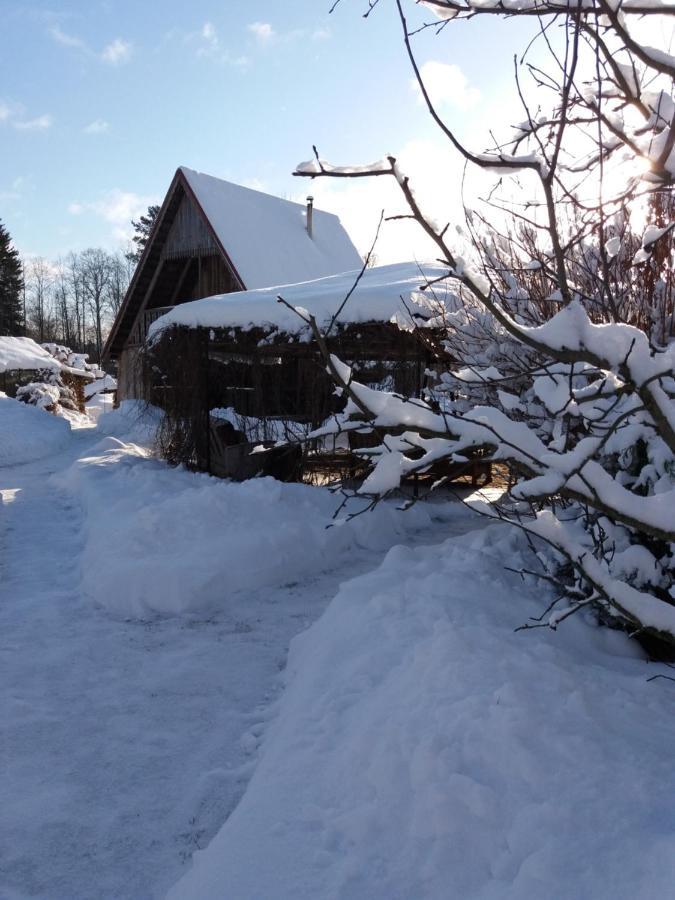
(310,208)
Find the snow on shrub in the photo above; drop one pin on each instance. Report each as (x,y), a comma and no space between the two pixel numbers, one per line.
(560,349)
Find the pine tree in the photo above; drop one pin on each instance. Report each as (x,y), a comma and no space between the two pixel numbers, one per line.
(143,229)
(11,286)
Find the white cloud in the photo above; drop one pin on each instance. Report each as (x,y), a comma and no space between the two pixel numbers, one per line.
(321,34)
(65,39)
(15,115)
(208,40)
(262,31)
(210,47)
(358,203)
(40,123)
(117,52)
(98,126)
(446,85)
(117,208)
(19,186)
(209,33)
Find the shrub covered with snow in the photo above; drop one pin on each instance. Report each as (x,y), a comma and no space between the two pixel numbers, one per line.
(561,346)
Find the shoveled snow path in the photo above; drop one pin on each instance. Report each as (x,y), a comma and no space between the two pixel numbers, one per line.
(125,744)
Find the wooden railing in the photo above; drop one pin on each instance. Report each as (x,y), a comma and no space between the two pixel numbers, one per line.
(144,322)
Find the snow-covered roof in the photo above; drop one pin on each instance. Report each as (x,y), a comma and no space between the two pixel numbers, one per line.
(266,237)
(381,296)
(100,385)
(23,353)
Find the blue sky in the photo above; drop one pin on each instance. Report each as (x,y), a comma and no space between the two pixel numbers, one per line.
(101,101)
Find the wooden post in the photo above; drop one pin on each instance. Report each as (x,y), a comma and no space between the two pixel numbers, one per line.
(207,411)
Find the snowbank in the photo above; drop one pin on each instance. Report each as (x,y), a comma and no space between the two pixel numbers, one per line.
(423,749)
(20,353)
(382,295)
(133,421)
(167,541)
(28,433)
(98,405)
(103,383)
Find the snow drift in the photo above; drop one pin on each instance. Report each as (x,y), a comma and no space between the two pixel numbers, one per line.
(423,749)
(168,541)
(28,433)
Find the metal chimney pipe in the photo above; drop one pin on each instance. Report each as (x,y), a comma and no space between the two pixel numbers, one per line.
(310,209)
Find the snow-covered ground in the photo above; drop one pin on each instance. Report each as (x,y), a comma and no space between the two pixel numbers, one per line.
(28,433)
(424,750)
(127,742)
(156,737)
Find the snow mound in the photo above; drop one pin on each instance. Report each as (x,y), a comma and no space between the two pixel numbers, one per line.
(133,420)
(167,541)
(99,405)
(104,383)
(19,353)
(423,749)
(28,433)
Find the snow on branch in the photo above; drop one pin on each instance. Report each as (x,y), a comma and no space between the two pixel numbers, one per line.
(559,352)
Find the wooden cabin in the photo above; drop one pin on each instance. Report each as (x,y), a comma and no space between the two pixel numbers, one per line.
(242,382)
(215,237)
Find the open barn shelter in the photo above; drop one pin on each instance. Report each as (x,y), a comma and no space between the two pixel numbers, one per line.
(212,237)
(240,374)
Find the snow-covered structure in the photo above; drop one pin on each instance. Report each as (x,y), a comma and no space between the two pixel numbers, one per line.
(239,370)
(215,237)
(23,355)
(49,375)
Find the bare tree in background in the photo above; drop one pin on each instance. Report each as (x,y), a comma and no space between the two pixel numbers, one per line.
(558,311)
(63,309)
(74,300)
(96,270)
(39,280)
(121,270)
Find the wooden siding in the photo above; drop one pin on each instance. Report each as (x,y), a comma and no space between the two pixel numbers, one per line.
(189,234)
(189,266)
(129,381)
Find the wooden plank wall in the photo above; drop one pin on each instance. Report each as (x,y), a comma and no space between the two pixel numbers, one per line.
(189,234)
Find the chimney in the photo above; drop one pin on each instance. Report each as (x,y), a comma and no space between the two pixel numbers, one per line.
(310,208)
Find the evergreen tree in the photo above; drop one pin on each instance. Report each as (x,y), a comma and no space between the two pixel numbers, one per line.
(11,286)
(143,228)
